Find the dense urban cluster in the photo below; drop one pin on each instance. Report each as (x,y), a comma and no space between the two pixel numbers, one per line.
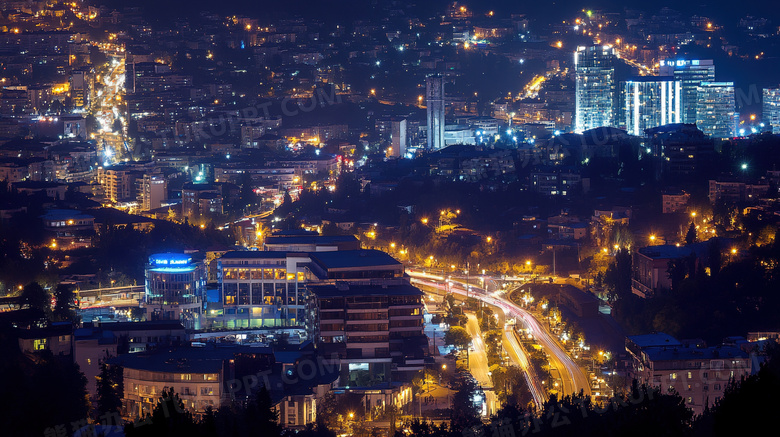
(388,218)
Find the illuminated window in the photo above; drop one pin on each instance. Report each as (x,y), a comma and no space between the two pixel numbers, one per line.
(39,344)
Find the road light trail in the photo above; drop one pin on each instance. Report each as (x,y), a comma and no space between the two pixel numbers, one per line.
(478,364)
(517,355)
(572,378)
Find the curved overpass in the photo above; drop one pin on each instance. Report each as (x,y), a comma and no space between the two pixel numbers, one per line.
(572,377)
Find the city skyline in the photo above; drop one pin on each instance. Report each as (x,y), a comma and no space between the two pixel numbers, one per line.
(388,218)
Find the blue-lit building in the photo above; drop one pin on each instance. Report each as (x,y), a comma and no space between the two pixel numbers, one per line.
(595,87)
(649,102)
(771,115)
(434,100)
(690,73)
(175,287)
(716,113)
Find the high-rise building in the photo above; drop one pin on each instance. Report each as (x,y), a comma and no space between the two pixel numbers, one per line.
(691,73)
(200,202)
(175,289)
(375,330)
(771,116)
(398,138)
(434,92)
(262,288)
(650,102)
(595,87)
(80,87)
(152,191)
(716,113)
(119,182)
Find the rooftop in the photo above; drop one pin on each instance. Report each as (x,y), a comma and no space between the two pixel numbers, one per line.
(655,339)
(344,290)
(354,258)
(152,325)
(693,353)
(254,254)
(65,214)
(309,239)
(186,359)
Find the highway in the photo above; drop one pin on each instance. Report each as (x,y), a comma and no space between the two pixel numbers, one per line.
(518,356)
(573,379)
(478,364)
(107,108)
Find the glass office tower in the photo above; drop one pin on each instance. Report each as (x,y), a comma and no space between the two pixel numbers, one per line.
(649,102)
(595,87)
(716,113)
(691,73)
(771,116)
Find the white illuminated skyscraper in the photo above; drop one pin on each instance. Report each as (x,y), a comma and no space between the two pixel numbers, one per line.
(716,113)
(434,93)
(398,138)
(691,73)
(771,114)
(649,102)
(595,87)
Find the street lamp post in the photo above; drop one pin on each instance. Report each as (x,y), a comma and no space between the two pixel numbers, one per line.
(467,278)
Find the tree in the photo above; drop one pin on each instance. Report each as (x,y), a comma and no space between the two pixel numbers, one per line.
(137,313)
(64,306)
(676,269)
(110,388)
(263,415)
(423,428)
(458,337)
(47,392)
(754,396)
(35,297)
(448,302)
(465,411)
(690,236)
(617,279)
(714,256)
(169,417)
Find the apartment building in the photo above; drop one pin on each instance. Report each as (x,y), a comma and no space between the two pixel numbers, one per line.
(200,376)
(376,330)
(697,373)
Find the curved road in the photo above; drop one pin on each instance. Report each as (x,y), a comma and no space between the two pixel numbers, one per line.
(572,377)
(518,356)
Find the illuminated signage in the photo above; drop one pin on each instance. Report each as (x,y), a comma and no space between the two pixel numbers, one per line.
(172,260)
